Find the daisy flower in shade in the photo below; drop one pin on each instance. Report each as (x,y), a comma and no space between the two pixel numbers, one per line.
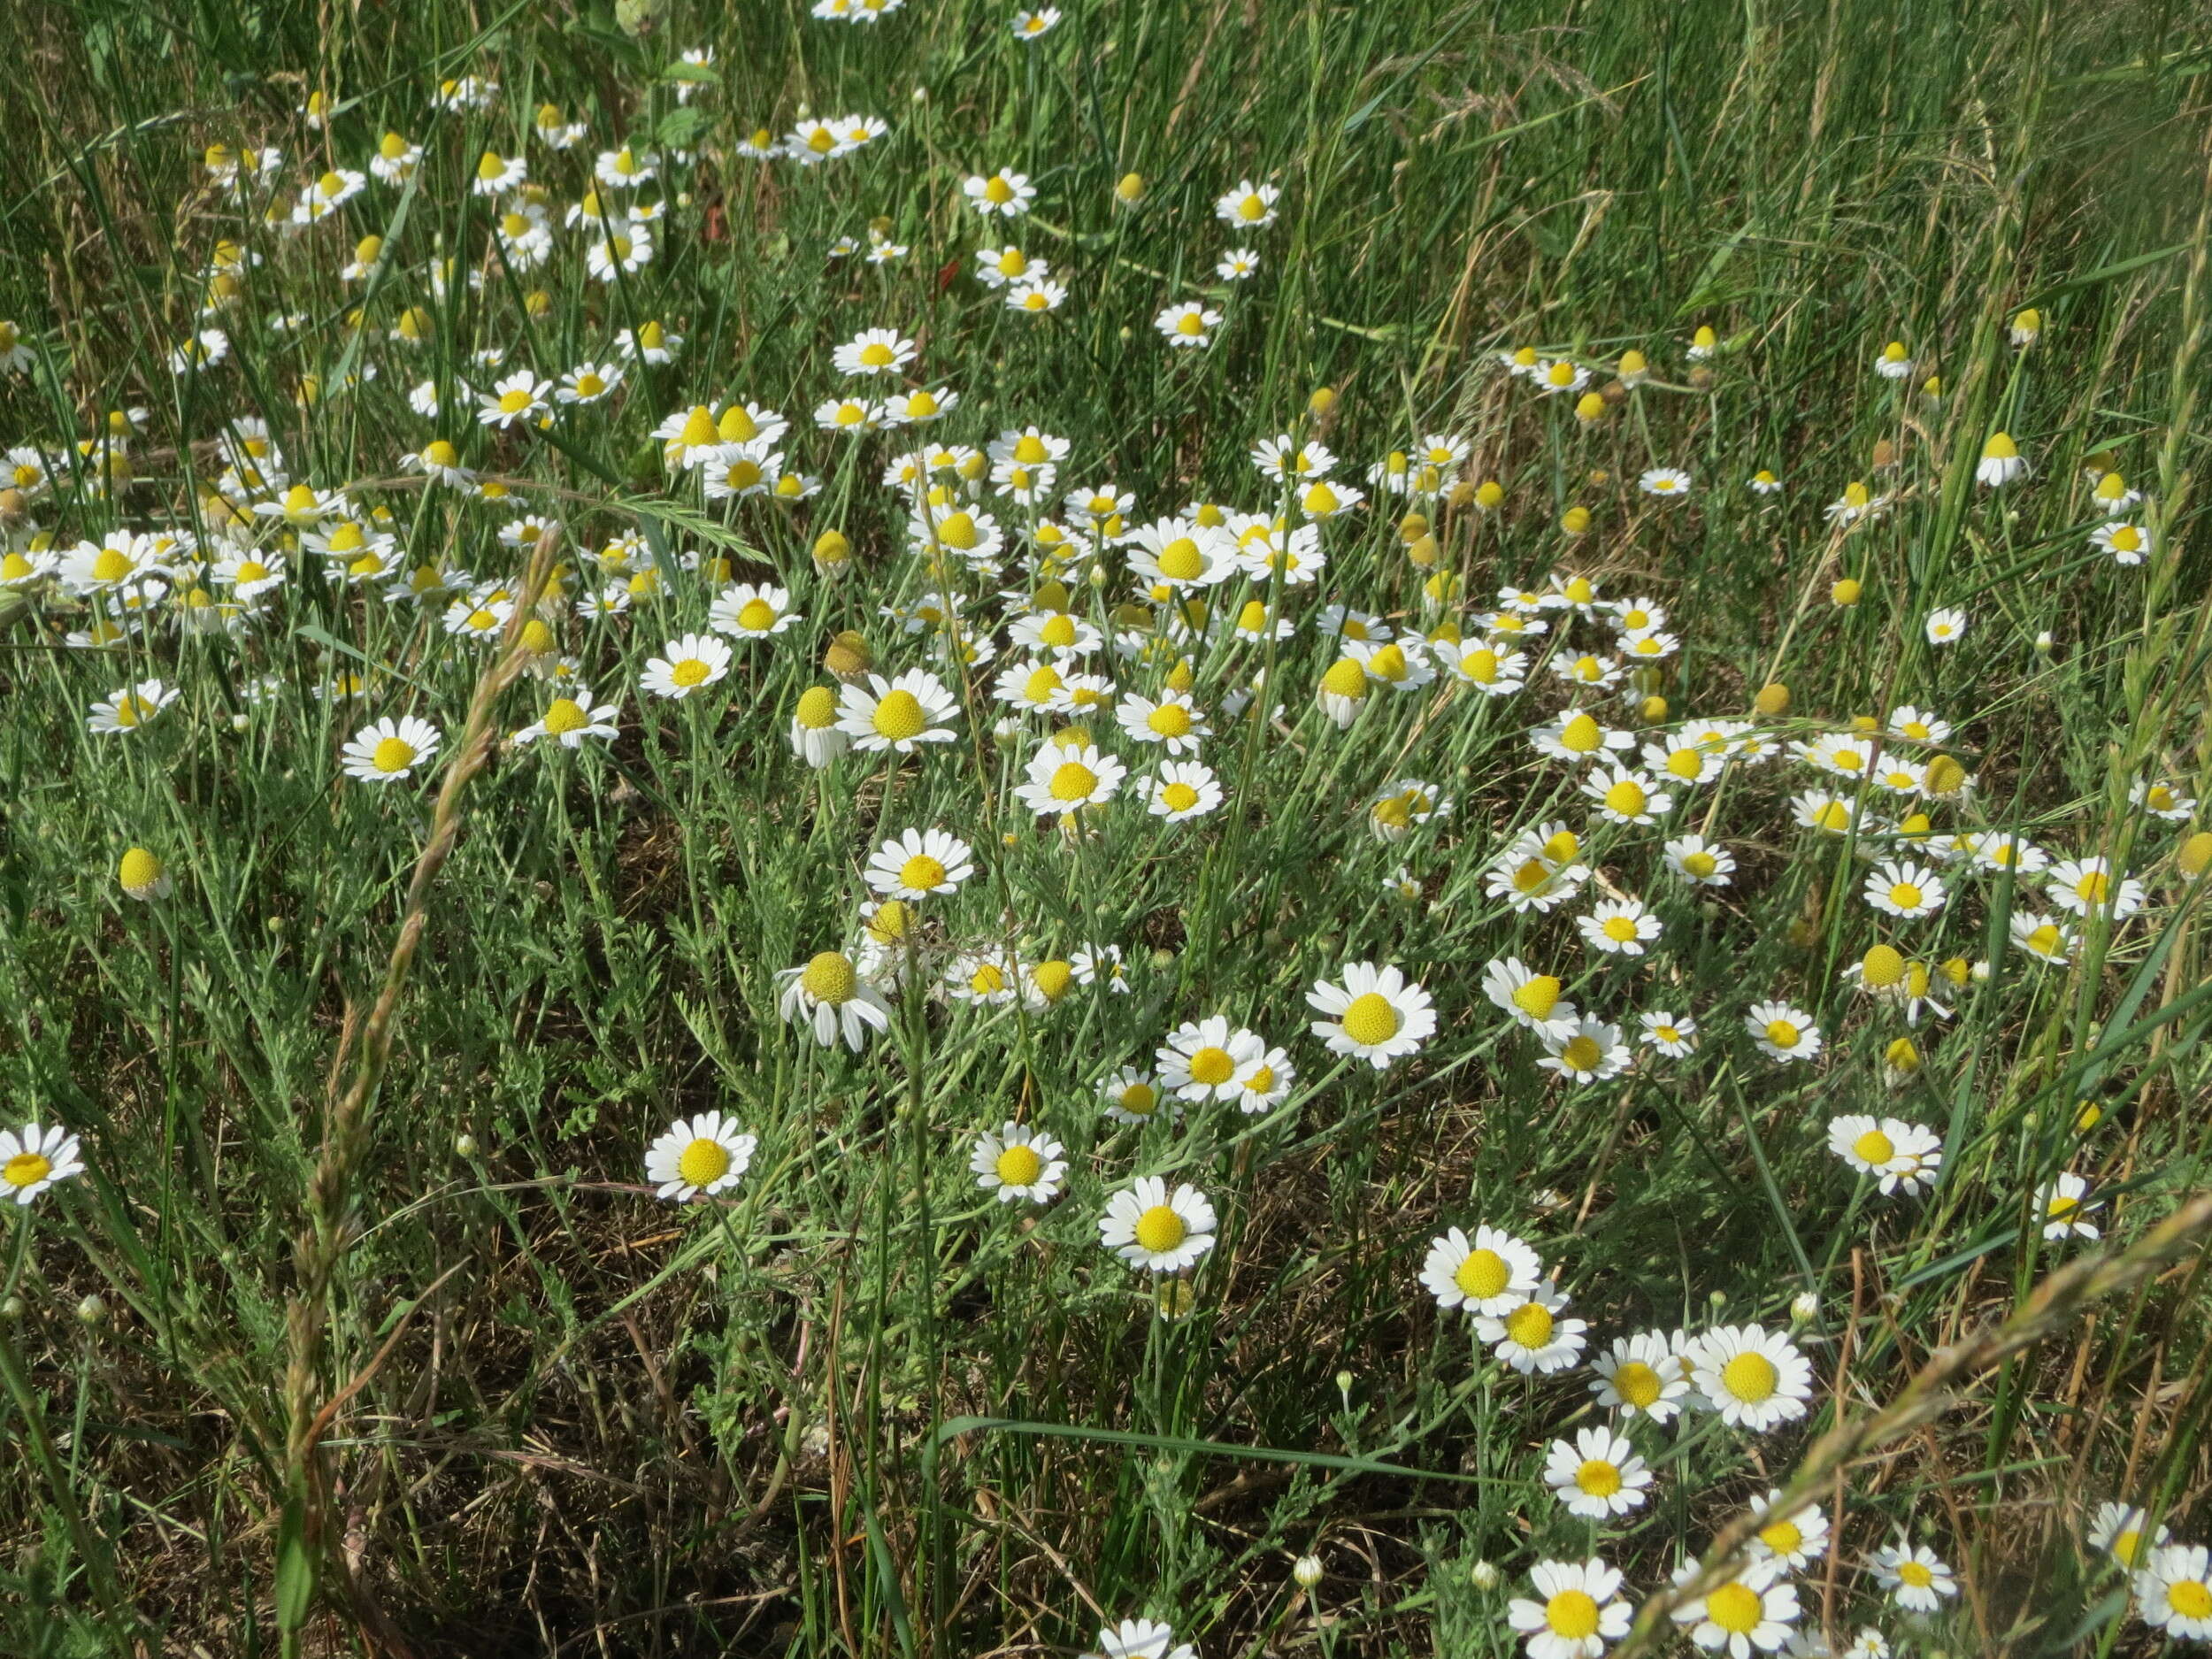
(1753,1610)
(1036,296)
(2173,1591)
(1577,1609)
(1201,1059)
(1903,1157)
(2128,544)
(1134,1095)
(2119,1529)
(1782,1032)
(1796,1539)
(1597,1475)
(2163,801)
(2082,886)
(1591,1052)
(1403,805)
(130,708)
(1531,1336)
(1753,1378)
(745,611)
(1701,862)
(1239,265)
(1189,324)
(1945,626)
(1182,789)
(519,397)
(570,718)
(1065,778)
(2064,1206)
(390,750)
(1028,26)
(1376,1015)
(1249,206)
(1494,1272)
(896,714)
(34,1159)
(1674,1035)
(1638,1378)
(1141,1638)
(1264,1083)
(1663,481)
(1174,722)
(1528,998)
(1916,1577)
(1527,879)
(1618,927)
(703,1154)
(689,664)
(816,738)
(828,994)
(874,351)
(1020,1164)
(2042,937)
(918,864)
(1158,1231)
(1002,193)
(1906,890)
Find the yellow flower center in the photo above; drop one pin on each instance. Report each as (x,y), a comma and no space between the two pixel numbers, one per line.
(1580,735)
(1687,762)
(1261,1082)
(1160,1229)
(1905,895)
(900,716)
(998,190)
(111,567)
(1530,1324)
(1882,966)
(1783,1035)
(1029,449)
(394,754)
(1484,1274)
(1139,1100)
(1874,1147)
(703,1163)
(1320,501)
(818,708)
(2044,941)
(564,715)
(1370,1020)
(1597,1477)
(1388,664)
(1626,798)
(1532,876)
(2060,1206)
(1783,1538)
(1620,929)
(921,873)
(1480,665)
(1170,720)
(490,167)
(1573,1614)
(2093,886)
(1053,979)
(1750,1378)
(1073,780)
(830,976)
(1735,1608)
(2191,1598)
(688,672)
(876,354)
(1251,209)
(25,1169)
(1915,1573)
(1345,678)
(1211,1066)
(1019,1166)
(1638,1384)
(1190,324)
(1180,796)
(757,616)
(1581,1054)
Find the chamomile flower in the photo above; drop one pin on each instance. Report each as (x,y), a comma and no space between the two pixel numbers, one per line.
(1376,1014)
(1003,193)
(1597,1475)
(815,736)
(1638,1378)
(1134,1095)
(1239,265)
(1174,722)
(1527,877)
(2162,800)
(1532,1336)
(2082,886)
(1907,891)
(1021,1165)
(920,864)
(2127,544)
(1901,1157)
(746,611)
(1181,790)
(1529,999)
(2002,462)
(1750,1612)
(1577,1609)
(1249,206)
(1618,927)
(689,664)
(1672,1035)
(1264,1082)
(897,715)
(829,994)
(2064,1206)
(389,750)
(130,708)
(1782,1032)
(874,351)
(34,1159)
(703,1155)
(1945,626)
(2119,1529)
(570,718)
(2173,1591)
(1188,323)
(2042,937)
(1036,295)
(1065,778)
(1916,1577)
(1029,25)
(1494,1272)
(1591,1052)
(1663,481)
(1201,1059)
(1156,1230)
(1756,1378)
(1795,1538)
(1577,737)
(1701,862)
(1625,796)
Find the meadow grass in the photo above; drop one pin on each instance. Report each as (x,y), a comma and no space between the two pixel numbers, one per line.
(362,1328)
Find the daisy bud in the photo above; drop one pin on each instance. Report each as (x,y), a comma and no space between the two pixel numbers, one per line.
(1322,402)
(2027,327)
(1575,521)
(1884,454)
(847,655)
(1412,527)
(538,302)
(1489,495)
(1943,776)
(831,552)
(1589,408)
(1846,592)
(1163,957)
(1344,1380)
(1803,1306)
(12,1310)
(2196,853)
(537,639)
(465,1145)
(13,504)
(1719,1299)
(1653,709)
(92,1311)
(2045,644)
(1483,1576)
(141,875)
(1306,1571)
(1130,189)
(1774,700)
(1422,551)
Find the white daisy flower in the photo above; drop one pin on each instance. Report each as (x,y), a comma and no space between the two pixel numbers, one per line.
(1158,1231)
(1494,1272)
(1376,1015)
(1916,1577)
(829,994)
(389,750)
(1578,1610)
(1021,1165)
(1597,1475)
(703,1155)
(1753,1378)
(34,1159)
